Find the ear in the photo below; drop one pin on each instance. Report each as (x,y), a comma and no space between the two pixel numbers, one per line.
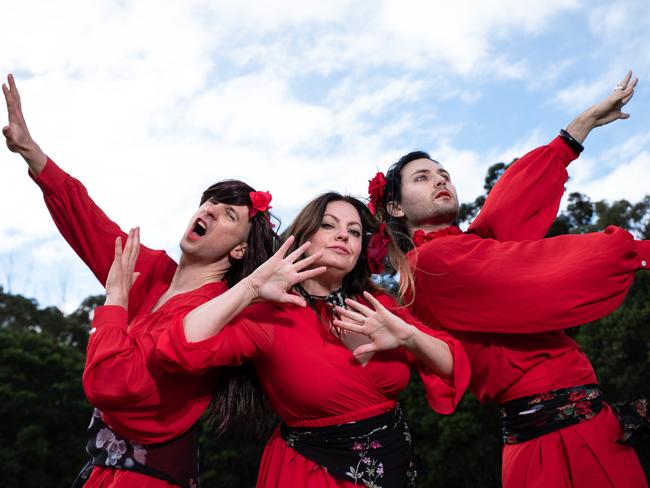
(239,251)
(394,209)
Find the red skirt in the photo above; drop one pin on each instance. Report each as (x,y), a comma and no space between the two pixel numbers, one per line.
(282,466)
(583,455)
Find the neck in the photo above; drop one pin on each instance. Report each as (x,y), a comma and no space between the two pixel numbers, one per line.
(428,227)
(191,274)
(322,286)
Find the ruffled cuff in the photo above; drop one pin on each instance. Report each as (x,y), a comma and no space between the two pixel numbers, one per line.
(110,316)
(50,178)
(443,394)
(563,150)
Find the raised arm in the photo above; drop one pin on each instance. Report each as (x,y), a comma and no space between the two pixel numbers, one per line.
(483,285)
(271,281)
(81,222)
(525,200)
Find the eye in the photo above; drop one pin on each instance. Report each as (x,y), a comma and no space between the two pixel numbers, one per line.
(231,216)
(326,225)
(421,178)
(355,232)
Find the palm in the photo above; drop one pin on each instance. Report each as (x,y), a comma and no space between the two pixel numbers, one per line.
(273,279)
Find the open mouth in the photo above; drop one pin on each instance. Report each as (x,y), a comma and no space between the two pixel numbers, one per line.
(200,227)
(443,194)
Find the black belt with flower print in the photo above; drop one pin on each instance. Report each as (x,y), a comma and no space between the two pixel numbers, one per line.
(174,461)
(371,452)
(526,418)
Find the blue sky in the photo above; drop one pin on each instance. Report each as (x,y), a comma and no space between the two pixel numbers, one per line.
(149,102)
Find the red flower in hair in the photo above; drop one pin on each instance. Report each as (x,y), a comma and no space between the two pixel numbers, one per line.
(376,188)
(377,249)
(259,202)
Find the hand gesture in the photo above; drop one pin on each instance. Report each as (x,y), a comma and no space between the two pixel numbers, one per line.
(274,278)
(121,275)
(16,134)
(386,329)
(609,109)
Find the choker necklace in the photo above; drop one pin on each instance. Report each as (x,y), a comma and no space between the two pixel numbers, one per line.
(334,299)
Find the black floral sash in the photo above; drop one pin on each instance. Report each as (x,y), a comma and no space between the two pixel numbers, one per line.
(529,417)
(634,419)
(175,461)
(372,452)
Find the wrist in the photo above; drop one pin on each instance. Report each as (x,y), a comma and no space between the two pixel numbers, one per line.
(409,335)
(581,126)
(34,157)
(116,299)
(252,288)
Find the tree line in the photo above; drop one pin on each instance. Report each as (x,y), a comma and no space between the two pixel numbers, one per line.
(44,412)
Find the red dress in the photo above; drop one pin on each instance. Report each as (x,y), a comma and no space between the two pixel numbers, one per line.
(311,378)
(508,300)
(122,377)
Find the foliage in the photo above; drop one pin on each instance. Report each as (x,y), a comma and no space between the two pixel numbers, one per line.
(44,413)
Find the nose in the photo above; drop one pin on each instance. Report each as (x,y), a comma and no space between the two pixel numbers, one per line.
(440,181)
(343,235)
(213,210)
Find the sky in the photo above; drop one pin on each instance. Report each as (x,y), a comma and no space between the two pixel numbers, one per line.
(148,103)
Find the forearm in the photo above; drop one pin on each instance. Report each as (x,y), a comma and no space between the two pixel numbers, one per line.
(581,126)
(34,157)
(211,317)
(431,352)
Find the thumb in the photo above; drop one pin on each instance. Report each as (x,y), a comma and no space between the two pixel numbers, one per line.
(364,349)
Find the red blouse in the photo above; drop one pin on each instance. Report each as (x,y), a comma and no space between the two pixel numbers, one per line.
(123,376)
(311,378)
(524,292)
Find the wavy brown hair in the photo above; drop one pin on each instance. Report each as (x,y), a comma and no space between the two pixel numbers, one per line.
(309,220)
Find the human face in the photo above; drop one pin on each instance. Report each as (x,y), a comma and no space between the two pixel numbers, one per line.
(339,237)
(428,195)
(216,230)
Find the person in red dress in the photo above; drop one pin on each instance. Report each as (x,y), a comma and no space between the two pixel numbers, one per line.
(144,427)
(508,294)
(334,389)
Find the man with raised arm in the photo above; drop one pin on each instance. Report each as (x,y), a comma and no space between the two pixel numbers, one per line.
(508,294)
(144,430)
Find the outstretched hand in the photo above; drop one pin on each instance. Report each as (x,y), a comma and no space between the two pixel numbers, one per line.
(274,278)
(121,276)
(610,109)
(384,328)
(605,111)
(16,133)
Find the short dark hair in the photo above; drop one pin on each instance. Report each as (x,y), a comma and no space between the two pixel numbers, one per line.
(393,193)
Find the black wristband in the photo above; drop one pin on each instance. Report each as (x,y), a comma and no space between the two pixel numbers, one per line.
(575,146)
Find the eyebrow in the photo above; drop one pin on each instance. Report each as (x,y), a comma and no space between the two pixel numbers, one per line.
(338,220)
(427,170)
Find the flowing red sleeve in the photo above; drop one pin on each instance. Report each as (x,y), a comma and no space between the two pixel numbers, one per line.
(442,394)
(483,285)
(91,233)
(119,373)
(525,200)
(248,337)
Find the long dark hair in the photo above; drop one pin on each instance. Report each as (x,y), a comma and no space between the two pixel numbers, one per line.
(239,395)
(359,279)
